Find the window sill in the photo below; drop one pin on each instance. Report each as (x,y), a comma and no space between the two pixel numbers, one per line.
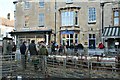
(26,8)
(94,22)
(25,27)
(41,26)
(41,6)
(69,2)
(76,25)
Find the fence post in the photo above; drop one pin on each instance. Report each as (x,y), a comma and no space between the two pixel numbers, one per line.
(89,69)
(118,62)
(53,62)
(91,65)
(75,63)
(64,66)
(11,64)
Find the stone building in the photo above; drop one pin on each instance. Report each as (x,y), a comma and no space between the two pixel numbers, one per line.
(111,33)
(63,21)
(6,26)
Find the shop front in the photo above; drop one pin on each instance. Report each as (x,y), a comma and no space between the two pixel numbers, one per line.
(111,35)
(39,35)
(69,37)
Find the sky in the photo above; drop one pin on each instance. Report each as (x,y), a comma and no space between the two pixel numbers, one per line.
(7,6)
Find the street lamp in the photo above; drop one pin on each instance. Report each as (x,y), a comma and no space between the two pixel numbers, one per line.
(55,22)
(118,57)
(102,4)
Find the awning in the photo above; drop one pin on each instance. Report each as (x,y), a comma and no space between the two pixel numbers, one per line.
(111,32)
(67,32)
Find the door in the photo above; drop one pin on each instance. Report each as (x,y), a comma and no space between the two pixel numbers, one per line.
(92,44)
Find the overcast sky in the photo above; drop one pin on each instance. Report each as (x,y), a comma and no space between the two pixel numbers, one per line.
(6,6)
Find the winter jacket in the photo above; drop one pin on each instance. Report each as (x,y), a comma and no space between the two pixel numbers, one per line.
(32,49)
(43,51)
(23,49)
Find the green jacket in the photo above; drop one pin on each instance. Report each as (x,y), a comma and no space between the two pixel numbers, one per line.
(43,51)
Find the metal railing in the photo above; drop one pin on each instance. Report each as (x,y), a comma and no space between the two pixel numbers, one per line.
(87,51)
(74,68)
(66,65)
(8,64)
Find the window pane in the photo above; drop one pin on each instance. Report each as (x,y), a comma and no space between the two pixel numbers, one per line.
(67,35)
(41,3)
(116,21)
(63,36)
(71,40)
(76,21)
(76,18)
(69,1)
(71,18)
(76,35)
(67,18)
(27,5)
(62,19)
(116,13)
(67,42)
(91,14)
(93,35)
(90,36)
(76,41)
(71,35)
(41,19)
(63,42)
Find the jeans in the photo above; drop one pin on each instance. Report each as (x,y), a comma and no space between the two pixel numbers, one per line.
(23,61)
(43,64)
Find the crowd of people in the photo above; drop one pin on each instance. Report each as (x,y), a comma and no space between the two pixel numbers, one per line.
(39,52)
(60,49)
(38,55)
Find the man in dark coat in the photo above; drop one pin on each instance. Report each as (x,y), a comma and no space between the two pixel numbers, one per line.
(9,48)
(32,48)
(33,52)
(23,48)
(23,55)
